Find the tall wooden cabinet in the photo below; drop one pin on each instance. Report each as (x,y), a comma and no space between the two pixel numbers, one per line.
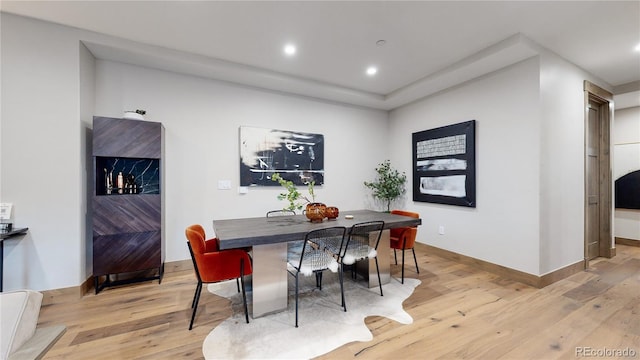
(128,201)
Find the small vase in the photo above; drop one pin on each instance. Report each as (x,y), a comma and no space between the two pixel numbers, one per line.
(332,212)
(315,212)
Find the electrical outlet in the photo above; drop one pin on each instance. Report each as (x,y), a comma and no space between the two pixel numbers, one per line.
(441,230)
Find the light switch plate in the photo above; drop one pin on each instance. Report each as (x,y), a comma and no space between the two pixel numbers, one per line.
(224,184)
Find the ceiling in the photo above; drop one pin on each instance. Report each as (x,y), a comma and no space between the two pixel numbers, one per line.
(429,45)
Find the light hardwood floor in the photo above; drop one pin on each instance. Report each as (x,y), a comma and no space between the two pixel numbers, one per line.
(458,311)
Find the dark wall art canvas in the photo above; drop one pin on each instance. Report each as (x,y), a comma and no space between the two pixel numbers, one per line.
(444,165)
(627,190)
(296,156)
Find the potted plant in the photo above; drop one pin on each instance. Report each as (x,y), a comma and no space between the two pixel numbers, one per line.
(388,185)
(314,211)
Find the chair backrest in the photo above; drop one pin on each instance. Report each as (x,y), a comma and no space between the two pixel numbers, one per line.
(215,265)
(399,232)
(313,257)
(199,229)
(209,244)
(406,213)
(195,236)
(195,242)
(359,242)
(282,212)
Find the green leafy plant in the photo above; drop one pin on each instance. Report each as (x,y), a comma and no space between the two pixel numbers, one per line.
(295,198)
(388,185)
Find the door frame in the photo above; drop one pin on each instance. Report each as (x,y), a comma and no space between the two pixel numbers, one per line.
(603,97)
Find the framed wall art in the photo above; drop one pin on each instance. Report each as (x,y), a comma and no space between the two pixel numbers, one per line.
(444,165)
(296,156)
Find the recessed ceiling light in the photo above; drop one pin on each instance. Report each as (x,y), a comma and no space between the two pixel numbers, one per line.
(290,49)
(637,48)
(381,42)
(372,70)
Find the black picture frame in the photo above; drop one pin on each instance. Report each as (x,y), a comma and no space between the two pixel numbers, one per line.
(296,156)
(444,165)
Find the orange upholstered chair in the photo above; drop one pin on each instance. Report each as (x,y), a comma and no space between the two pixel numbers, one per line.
(404,239)
(214,265)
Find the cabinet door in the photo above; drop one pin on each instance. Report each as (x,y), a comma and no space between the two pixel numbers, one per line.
(117,214)
(120,253)
(127,138)
(127,233)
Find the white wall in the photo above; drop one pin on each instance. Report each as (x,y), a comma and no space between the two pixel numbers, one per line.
(202,119)
(626,155)
(562,162)
(51,88)
(529,165)
(87,105)
(504,227)
(529,149)
(42,154)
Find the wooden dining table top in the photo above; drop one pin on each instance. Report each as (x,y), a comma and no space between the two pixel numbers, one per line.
(243,232)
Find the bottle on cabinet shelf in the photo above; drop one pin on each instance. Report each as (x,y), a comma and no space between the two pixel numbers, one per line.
(108,181)
(130,184)
(120,182)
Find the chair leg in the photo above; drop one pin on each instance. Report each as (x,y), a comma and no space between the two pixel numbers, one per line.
(319,280)
(402,282)
(416,260)
(395,257)
(341,277)
(198,288)
(244,294)
(244,298)
(378,271)
(196,299)
(297,299)
(238,284)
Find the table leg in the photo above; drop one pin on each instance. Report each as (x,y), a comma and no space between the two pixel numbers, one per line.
(269,279)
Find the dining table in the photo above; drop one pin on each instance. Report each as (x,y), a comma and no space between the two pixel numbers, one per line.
(269,236)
